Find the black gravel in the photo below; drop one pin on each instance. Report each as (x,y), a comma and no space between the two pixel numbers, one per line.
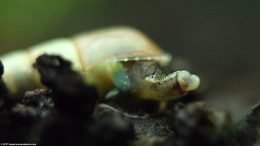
(68,113)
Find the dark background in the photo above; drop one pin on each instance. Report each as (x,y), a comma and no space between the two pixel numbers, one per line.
(220,38)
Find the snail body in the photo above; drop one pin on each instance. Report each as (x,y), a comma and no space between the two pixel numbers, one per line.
(107,59)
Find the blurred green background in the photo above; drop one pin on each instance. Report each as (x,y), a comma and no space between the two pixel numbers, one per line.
(220,38)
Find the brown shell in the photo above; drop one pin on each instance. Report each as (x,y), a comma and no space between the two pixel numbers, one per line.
(96,54)
(102,51)
(120,44)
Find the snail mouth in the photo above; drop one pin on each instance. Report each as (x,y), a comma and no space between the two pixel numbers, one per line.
(179,89)
(186,82)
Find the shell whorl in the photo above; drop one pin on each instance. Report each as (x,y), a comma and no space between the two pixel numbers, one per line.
(91,53)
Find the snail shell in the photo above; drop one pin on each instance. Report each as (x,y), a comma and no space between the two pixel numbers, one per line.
(95,54)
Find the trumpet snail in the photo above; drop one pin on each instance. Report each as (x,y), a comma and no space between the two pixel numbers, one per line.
(119,58)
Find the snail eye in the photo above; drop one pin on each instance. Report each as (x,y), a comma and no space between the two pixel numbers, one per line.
(150,78)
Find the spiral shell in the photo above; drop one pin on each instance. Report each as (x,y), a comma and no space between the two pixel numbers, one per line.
(95,54)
